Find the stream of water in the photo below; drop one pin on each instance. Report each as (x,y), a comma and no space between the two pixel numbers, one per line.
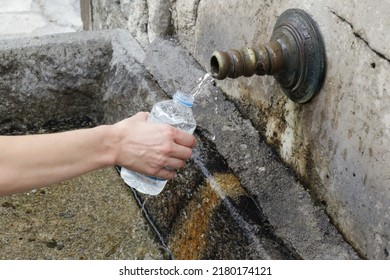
(202,83)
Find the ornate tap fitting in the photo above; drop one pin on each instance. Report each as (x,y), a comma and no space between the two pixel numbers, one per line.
(295,56)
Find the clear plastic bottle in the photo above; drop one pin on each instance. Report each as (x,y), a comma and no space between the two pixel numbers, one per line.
(176,112)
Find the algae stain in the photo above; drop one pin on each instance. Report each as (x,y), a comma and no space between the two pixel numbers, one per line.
(267,114)
(229,184)
(189,239)
(284,125)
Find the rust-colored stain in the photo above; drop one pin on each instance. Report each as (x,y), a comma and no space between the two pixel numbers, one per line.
(189,238)
(229,184)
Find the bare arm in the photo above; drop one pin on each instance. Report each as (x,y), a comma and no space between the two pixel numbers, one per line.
(33,161)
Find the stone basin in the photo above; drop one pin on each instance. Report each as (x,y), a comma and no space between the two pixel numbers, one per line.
(234,199)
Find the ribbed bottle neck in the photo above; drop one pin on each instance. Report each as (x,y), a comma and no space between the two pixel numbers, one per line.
(184,98)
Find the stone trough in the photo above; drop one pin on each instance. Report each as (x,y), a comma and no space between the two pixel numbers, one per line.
(234,199)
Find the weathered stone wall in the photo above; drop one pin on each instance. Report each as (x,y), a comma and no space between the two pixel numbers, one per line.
(107,76)
(33,77)
(338,143)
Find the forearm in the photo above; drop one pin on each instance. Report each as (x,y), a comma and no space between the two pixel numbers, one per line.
(33,161)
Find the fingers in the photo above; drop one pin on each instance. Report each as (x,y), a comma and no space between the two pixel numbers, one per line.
(185,139)
(178,144)
(174,163)
(184,144)
(165,174)
(181,152)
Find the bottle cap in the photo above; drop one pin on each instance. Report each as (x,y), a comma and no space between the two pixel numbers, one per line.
(184,98)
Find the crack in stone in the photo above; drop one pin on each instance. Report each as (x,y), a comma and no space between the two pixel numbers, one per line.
(196,10)
(358,36)
(91,14)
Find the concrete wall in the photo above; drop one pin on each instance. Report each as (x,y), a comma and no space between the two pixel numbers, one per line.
(339,142)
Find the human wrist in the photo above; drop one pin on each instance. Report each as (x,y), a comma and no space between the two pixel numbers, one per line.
(108,144)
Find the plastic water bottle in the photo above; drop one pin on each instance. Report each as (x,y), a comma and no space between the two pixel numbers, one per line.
(176,112)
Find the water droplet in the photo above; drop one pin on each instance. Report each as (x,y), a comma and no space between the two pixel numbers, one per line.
(210,136)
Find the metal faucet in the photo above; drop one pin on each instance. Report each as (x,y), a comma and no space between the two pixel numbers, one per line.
(295,56)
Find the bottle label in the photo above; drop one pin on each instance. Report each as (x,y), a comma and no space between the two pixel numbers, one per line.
(157,179)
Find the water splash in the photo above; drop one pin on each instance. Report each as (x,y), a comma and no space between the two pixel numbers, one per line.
(202,83)
(247,228)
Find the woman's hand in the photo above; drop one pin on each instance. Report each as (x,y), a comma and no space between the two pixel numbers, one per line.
(152,149)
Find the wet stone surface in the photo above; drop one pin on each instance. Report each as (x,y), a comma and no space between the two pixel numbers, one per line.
(206,214)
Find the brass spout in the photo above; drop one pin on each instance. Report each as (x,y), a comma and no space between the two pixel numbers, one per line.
(265,60)
(295,55)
